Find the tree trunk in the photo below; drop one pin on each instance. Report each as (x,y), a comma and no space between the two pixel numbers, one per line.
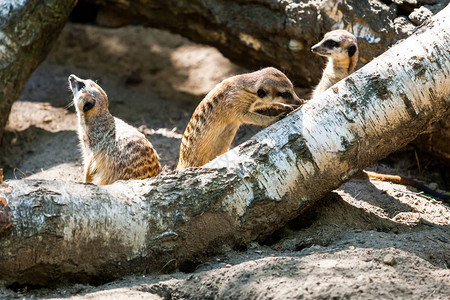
(27,32)
(63,231)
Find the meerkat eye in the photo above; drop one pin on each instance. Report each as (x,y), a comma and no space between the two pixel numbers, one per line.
(88,105)
(262,93)
(331,44)
(81,85)
(285,95)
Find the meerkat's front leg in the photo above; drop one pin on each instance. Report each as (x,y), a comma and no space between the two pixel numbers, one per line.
(260,106)
(87,173)
(265,114)
(255,118)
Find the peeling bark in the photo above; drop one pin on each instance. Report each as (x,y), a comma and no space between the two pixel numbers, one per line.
(64,231)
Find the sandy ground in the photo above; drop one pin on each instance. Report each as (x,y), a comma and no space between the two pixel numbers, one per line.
(366,240)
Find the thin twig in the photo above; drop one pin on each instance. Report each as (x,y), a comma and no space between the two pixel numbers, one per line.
(166,264)
(14,171)
(417,160)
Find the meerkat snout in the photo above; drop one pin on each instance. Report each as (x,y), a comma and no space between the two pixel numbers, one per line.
(76,84)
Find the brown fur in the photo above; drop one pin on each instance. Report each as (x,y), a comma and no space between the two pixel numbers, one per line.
(112,149)
(233,102)
(340,64)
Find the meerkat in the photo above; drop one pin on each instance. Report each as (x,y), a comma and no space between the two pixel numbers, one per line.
(341,48)
(235,101)
(111,149)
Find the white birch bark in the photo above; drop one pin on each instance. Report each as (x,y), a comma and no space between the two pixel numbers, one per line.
(81,232)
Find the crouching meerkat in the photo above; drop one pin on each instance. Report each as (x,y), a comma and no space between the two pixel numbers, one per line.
(111,149)
(341,48)
(235,101)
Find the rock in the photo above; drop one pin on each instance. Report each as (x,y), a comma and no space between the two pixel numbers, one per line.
(389,259)
(433,185)
(48,119)
(420,15)
(254,245)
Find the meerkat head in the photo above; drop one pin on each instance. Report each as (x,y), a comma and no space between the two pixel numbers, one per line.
(269,85)
(339,45)
(88,97)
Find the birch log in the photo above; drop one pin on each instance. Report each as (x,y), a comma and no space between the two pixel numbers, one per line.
(61,231)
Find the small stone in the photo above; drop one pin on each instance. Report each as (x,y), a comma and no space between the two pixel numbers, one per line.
(276,247)
(389,260)
(48,119)
(433,185)
(227,266)
(254,245)
(420,15)
(351,247)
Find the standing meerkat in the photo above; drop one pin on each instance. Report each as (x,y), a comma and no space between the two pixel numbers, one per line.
(112,149)
(235,101)
(341,48)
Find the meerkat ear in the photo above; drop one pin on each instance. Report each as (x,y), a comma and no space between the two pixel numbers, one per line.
(88,105)
(353,54)
(351,50)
